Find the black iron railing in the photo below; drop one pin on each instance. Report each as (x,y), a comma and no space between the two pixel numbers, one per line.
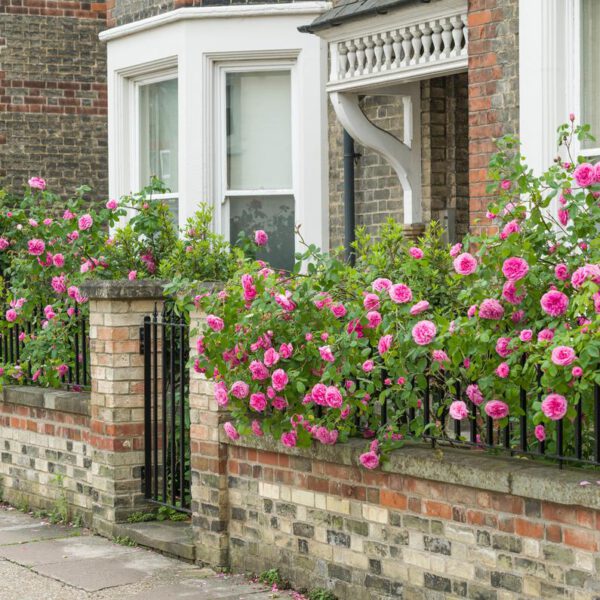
(13,340)
(573,440)
(167,471)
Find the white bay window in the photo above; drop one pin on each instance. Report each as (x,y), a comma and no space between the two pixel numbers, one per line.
(259,187)
(226,105)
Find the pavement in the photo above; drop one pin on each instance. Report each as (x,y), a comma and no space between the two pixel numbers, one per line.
(41,561)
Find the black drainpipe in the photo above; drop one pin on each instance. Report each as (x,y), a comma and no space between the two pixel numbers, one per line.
(349,221)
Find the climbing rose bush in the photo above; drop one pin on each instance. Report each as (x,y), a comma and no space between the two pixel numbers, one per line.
(320,353)
(49,247)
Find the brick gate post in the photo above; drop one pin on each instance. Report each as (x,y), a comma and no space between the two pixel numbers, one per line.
(210,503)
(117,310)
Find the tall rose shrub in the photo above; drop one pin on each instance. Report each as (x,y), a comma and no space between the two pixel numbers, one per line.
(474,323)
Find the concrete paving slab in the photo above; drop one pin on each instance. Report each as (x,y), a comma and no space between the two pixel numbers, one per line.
(95,574)
(171,537)
(208,589)
(18,528)
(59,550)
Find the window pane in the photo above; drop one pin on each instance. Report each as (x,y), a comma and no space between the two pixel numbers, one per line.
(259,131)
(273,214)
(158,133)
(590,68)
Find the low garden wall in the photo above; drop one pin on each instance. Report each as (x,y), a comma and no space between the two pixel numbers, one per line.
(46,457)
(432,523)
(458,523)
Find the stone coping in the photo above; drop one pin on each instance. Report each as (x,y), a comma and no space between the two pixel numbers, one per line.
(36,397)
(122,289)
(470,468)
(138,289)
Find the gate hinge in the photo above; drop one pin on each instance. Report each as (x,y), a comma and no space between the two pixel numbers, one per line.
(142,340)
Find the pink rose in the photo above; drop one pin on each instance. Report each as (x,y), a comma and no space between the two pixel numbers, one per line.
(515,268)
(240,390)
(424,332)
(231,431)
(221,394)
(368,366)
(112,204)
(526,335)
(371,302)
(465,264)
(215,323)
(502,347)
(554,303)
(381,284)
(384,344)
(491,309)
(279,379)
(458,410)
(419,307)
(503,370)
(261,238)
(333,397)
(271,357)
(456,250)
(319,394)
(374,319)
(85,222)
(36,247)
(369,460)
(540,433)
(472,311)
(289,439)
(338,310)
(400,293)
(561,272)
(132,275)
(258,402)
(563,356)
(58,284)
(37,183)
(4,243)
(440,356)
(326,353)
(563,216)
(577,372)
(510,228)
(545,335)
(505,184)
(585,175)
(416,252)
(256,428)
(58,260)
(554,406)
(496,409)
(474,394)
(258,370)
(286,350)
(11,315)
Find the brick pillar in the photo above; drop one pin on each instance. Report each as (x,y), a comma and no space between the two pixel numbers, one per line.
(493,92)
(210,504)
(117,310)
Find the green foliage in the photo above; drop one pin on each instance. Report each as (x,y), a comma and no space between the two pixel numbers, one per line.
(141,517)
(272,577)
(60,509)
(124,540)
(321,594)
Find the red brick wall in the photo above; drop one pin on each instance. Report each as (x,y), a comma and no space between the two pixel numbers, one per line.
(370,534)
(493,92)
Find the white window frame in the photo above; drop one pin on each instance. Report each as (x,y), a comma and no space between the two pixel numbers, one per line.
(550,77)
(134,110)
(196,40)
(250,65)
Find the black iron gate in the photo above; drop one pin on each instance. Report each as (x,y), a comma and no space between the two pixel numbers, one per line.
(164,342)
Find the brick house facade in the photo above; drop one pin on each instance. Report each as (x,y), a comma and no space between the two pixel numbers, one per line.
(54,107)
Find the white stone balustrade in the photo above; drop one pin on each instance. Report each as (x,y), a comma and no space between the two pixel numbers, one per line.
(427,44)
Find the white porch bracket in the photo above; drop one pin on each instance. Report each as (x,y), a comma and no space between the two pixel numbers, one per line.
(403,156)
